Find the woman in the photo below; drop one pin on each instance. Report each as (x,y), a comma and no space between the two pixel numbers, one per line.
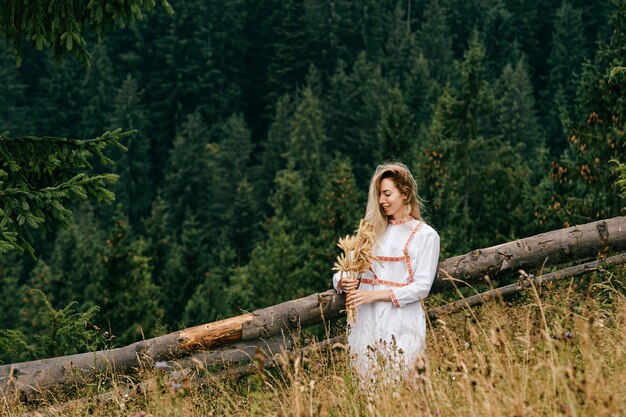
(390,322)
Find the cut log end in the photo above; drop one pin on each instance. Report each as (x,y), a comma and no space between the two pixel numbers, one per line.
(212,335)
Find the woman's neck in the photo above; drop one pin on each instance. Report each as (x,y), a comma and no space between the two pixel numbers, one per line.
(405,219)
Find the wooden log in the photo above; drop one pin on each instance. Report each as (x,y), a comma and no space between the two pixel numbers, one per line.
(552,248)
(518,286)
(31,379)
(35,379)
(272,362)
(234,362)
(236,359)
(228,356)
(213,334)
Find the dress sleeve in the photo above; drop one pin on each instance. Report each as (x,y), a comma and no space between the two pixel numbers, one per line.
(424,264)
(336,278)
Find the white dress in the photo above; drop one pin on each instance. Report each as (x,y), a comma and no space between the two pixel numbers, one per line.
(389,336)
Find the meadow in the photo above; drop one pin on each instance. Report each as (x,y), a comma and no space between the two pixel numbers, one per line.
(558,350)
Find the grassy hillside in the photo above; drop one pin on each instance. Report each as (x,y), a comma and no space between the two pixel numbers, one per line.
(556,351)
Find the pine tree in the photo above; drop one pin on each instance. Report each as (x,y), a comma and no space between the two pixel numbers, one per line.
(223,25)
(192,62)
(69,279)
(280,266)
(530,27)
(58,101)
(188,175)
(94,268)
(186,267)
(396,130)
(464,17)
(38,193)
(63,333)
(60,25)
(135,189)
(371,25)
(354,109)
(469,170)
(517,119)
(210,300)
(76,265)
(584,181)
(228,161)
(14,115)
(566,54)
(275,146)
(400,47)
(435,42)
(338,211)
(339,109)
(498,36)
(421,92)
(277,270)
(97,92)
(307,140)
(32,307)
(127,295)
(244,230)
(260,30)
(566,58)
(233,151)
(11,290)
(290,56)
(159,242)
(329,31)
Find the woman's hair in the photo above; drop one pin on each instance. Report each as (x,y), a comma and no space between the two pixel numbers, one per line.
(404,181)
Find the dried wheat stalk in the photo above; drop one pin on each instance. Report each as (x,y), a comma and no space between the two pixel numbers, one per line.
(356,257)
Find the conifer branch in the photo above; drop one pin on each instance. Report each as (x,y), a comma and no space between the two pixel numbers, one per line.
(41,177)
(59,25)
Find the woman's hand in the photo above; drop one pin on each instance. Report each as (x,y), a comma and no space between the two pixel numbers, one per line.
(348,284)
(358,297)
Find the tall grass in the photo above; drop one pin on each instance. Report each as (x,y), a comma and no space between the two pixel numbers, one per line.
(556,351)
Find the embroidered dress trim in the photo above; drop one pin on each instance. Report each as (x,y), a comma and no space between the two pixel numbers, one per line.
(389,258)
(407,258)
(401,221)
(383,282)
(394,300)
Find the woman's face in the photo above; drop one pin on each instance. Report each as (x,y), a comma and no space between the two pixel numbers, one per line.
(391,200)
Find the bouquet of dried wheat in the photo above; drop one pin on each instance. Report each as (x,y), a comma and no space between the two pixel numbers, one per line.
(356,257)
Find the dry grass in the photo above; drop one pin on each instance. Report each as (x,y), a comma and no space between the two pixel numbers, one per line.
(558,353)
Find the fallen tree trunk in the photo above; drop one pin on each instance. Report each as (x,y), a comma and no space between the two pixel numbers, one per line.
(232,356)
(239,360)
(554,248)
(243,359)
(30,379)
(486,296)
(263,353)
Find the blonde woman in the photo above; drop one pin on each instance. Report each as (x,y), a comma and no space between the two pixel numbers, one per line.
(390,323)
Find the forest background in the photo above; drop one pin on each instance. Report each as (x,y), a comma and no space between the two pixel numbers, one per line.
(258,127)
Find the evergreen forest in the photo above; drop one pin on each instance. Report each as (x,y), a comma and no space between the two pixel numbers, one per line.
(250,131)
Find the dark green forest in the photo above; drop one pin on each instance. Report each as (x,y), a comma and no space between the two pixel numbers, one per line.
(258,125)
